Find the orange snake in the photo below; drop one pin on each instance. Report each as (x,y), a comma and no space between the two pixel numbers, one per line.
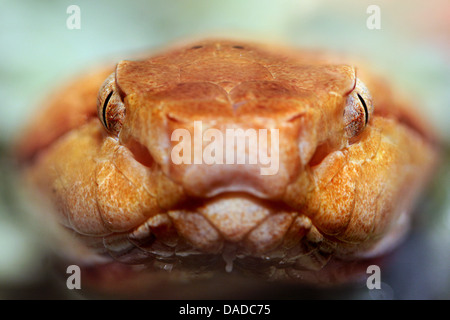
(353,158)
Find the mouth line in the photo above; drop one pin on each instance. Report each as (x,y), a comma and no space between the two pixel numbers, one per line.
(195,202)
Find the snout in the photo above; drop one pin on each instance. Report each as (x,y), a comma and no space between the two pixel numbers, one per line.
(212,146)
(208,158)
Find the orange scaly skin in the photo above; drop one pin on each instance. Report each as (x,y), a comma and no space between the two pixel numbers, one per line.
(335,198)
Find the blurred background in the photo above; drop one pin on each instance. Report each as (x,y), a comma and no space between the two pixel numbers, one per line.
(38,52)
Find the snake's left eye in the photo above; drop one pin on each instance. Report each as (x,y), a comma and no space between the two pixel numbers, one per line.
(110,107)
(358,110)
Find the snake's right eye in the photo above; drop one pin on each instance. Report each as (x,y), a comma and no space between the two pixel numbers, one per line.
(358,110)
(110,107)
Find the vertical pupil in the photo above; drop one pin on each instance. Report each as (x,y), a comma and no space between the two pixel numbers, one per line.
(105,104)
(366,112)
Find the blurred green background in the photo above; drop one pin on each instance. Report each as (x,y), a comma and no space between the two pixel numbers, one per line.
(38,52)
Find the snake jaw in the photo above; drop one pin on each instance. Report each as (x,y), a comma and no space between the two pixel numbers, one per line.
(228,230)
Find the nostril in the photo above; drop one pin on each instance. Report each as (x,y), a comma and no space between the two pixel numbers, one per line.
(140,153)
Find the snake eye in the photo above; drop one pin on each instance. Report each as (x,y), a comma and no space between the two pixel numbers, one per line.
(110,107)
(358,110)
